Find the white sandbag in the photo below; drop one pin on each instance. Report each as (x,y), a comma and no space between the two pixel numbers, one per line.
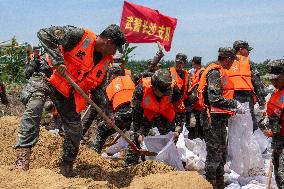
(261,139)
(243,149)
(156,143)
(170,156)
(120,145)
(233,186)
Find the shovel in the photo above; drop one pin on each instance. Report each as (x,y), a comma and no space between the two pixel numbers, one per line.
(109,122)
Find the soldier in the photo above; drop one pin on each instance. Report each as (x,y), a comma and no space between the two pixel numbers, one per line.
(85,57)
(119,93)
(243,73)
(99,96)
(153,99)
(195,131)
(275,113)
(216,92)
(181,78)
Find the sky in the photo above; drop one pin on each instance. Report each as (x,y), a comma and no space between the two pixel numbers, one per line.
(202,27)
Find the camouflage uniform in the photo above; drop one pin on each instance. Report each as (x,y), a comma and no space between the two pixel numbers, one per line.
(38,89)
(141,125)
(99,97)
(247,96)
(275,123)
(180,118)
(122,117)
(215,133)
(197,131)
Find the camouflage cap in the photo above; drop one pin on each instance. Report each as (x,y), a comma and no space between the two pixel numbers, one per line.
(115,33)
(162,81)
(115,70)
(228,52)
(180,57)
(118,58)
(196,59)
(241,44)
(275,68)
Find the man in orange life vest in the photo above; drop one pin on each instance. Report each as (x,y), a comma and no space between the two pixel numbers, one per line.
(195,109)
(99,95)
(215,93)
(85,57)
(275,114)
(248,87)
(153,99)
(119,93)
(181,78)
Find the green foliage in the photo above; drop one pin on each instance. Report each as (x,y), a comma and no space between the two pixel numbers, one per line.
(126,50)
(12,62)
(262,67)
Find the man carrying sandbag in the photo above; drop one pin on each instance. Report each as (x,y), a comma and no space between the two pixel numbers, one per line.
(216,93)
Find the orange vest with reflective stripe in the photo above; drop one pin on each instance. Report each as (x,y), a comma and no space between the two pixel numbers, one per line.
(275,105)
(182,85)
(127,72)
(120,91)
(194,82)
(80,67)
(240,74)
(152,108)
(227,88)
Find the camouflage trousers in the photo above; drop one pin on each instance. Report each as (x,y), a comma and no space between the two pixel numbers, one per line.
(197,130)
(215,137)
(33,97)
(247,96)
(122,118)
(278,159)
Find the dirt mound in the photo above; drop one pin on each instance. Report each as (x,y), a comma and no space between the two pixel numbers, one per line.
(89,165)
(15,106)
(45,178)
(171,180)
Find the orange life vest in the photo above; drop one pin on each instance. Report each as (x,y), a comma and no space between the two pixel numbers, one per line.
(120,91)
(196,77)
(80,67)
(152,108)
(194,82)
(127,72)
(227,88)
(182,85)
(240,73)
(275,105)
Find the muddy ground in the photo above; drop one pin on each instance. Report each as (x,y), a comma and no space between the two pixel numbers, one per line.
(93,171)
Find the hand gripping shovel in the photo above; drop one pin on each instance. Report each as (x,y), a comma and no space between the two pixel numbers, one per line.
(107,119)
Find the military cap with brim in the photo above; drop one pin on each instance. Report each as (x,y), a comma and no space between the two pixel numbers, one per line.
(241,44)
(180,57)
(228,52)
(162,81)
(115,33)
(275,68)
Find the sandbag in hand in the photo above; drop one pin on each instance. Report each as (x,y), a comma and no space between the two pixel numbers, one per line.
(240,108)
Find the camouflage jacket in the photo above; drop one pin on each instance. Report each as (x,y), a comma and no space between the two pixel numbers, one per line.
(140,123)
(213,93)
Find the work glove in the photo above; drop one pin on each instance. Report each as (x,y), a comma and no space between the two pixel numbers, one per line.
(240,108)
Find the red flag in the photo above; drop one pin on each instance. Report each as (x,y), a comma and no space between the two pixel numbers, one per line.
(144,25)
